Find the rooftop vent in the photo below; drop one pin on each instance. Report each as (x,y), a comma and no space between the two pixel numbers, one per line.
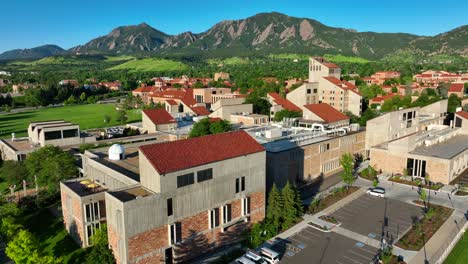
(116,152)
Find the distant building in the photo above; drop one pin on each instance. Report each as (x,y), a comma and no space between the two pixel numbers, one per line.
(157,120)
(113,86)
(160,200)
(325,86)
(221,76)
(325,114)
(56,132)
(458,89)
(380,77)
(379,100)
(436,77)
(72,83)
(279,103)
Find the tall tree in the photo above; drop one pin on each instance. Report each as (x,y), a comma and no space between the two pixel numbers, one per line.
(51,165)
(347,163)
(14,172)
(289,212)
(275,207)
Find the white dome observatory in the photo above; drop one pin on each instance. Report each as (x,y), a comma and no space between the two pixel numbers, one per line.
(116,152)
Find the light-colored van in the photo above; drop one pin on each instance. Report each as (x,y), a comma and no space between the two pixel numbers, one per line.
(255,257)
(269,255)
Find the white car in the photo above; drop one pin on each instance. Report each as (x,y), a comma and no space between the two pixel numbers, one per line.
(269,255)
(255,257)
(244,260)
(378,192)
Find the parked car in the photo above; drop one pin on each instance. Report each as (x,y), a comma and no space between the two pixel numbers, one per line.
(377,191)
(255,257)
(244,260)
(269,255)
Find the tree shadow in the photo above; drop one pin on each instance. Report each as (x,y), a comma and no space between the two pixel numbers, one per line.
(195,245)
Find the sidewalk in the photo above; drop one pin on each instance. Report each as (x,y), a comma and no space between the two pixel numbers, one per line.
(433,248)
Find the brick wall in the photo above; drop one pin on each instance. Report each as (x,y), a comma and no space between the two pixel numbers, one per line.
(114,242)
(147,244)
(72,212)
(197,238)
(385,161)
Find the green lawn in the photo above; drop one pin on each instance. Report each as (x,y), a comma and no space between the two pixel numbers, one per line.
(341,59)
(54,239)
(87,116)
(151,64)
(459,254)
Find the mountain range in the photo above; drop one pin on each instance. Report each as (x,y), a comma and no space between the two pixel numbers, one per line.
(264,33)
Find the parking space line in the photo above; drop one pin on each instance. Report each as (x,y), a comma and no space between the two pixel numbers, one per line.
(304,237)
(340,211)
(312,233)
(357,254)
(353,260)
(363,249)
(359,205)
(352,208)
(339,262)
(295,240)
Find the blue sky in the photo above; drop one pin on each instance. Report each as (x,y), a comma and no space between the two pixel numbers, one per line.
(30,23)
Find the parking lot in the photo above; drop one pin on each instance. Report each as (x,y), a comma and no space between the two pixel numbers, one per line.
(313,246)
(376,217)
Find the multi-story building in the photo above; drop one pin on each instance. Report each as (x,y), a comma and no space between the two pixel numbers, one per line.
(325,86)
(458,89)
(307,156)
(54,132)
(379,78)
(436,77)
(415,141)
(171,201)
(279,103)
(158,119)
(205,95)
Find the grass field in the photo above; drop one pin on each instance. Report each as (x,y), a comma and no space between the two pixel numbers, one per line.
(341,58)
(228,61)
(459,254)
(151,64)
(290,56)
(87,116)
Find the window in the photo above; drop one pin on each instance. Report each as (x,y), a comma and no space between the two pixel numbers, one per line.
(184,180)
(324,147)
(169,207)
(240,184)
(92,212)
(175,233)
(214,218)
(308,91)
(53,135)
(226,213)
(70,133)
(91,230)
(246,206)
(204,175)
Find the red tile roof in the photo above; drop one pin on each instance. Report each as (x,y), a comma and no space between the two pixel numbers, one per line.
(159,116)
(326,112)
(285,103)
(462,114)
(145,89)
(183,154)
(171,102)
(215,119)
(385,97)
(456,87)
(326,63)
(200,110)
(345,85)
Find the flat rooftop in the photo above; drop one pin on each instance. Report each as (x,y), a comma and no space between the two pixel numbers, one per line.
(131,193)
(84,186)
(445,150)
(129,166)
(21,144)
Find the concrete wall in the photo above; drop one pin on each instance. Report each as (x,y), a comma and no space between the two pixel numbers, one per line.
(390,126)
(224,112)
(304,94)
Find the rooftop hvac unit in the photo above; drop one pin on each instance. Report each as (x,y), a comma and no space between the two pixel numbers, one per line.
(273,133)
(116,152)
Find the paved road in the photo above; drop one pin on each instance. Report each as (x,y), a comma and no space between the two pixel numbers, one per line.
(407,194)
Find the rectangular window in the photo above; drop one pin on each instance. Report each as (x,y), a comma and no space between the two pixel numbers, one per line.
(246,206)
(53,135)
(184,180)
(308,91)
(92,212)
(169,207)
(175,232)
(237,185)
(204,175)
(226,213)
(243,183)
(214,218)
(70,133)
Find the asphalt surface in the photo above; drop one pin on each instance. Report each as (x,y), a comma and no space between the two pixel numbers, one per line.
(376,217)
(313,246)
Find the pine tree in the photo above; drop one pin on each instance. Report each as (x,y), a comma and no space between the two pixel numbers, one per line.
(275,207)
(298,202)
(289,211)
